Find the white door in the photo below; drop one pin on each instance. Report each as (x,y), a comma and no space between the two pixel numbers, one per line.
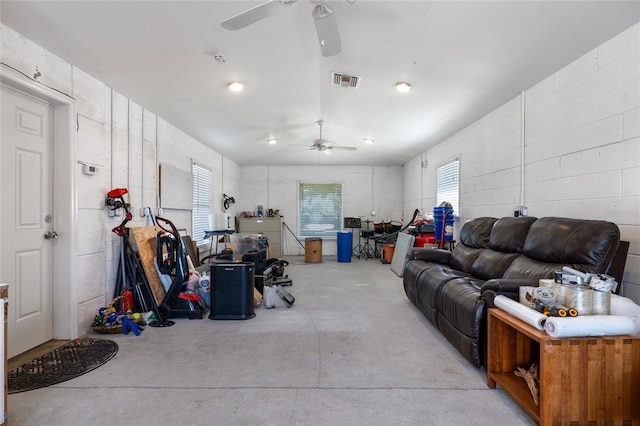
(26,216)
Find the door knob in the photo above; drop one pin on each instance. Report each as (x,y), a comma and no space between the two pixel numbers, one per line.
(50,235)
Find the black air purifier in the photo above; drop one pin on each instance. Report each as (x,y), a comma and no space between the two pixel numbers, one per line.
(232,290)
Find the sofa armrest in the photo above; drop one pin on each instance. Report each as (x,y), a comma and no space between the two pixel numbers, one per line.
(505,287)
(430,255)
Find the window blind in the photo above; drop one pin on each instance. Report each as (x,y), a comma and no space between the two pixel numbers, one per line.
(320,209)
(201,202)
(448,185)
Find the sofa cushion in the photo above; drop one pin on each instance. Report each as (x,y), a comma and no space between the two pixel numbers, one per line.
(463,257)
(428,289)
(474,235)
(527,268)
(565,241)
(509,233)
(492,264)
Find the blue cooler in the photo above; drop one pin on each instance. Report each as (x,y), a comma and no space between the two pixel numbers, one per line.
(345,241)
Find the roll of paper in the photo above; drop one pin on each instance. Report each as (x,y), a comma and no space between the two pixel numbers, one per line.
(625,306)
(590,325)
(528,315)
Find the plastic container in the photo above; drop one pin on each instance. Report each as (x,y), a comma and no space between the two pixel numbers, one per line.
(387,252)
(443,216)
(345,244)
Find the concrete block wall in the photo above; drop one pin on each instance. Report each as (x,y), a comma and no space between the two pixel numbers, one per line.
(127,143)
(364,189)
(581,150)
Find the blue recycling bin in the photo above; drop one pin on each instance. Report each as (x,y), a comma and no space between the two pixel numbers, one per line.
(345,241)
(443,217)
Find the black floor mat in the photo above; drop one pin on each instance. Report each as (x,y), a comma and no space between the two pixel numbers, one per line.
(65,363)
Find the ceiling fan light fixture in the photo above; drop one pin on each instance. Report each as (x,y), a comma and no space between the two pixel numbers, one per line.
(403,86)
(272,141)
(235,86)
(368,141)
(321,11)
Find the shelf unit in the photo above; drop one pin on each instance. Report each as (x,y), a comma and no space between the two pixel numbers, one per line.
(583,380)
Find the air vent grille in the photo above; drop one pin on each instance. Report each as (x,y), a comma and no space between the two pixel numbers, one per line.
(345,80)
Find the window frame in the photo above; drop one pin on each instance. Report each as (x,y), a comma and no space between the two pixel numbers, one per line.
(329,233)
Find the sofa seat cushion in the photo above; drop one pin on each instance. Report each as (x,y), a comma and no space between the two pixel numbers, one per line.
(412,271)
(474,235)
(492,264)
(428,289)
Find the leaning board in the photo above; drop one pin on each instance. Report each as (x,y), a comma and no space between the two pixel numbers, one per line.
(142,235)
(403,245)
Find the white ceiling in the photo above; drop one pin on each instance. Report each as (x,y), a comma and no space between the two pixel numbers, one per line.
(463,58)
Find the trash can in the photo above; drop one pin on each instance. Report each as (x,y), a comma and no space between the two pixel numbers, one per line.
(313,250)
(345,242)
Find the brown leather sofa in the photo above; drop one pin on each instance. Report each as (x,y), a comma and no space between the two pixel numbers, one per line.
(452,289)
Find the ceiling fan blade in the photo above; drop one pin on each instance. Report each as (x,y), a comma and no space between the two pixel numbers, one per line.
(344,148)
(327,30)
(251,16)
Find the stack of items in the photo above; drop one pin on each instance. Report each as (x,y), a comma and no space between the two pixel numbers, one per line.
(573,304)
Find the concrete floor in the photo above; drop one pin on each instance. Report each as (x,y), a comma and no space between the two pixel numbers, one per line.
(351,351)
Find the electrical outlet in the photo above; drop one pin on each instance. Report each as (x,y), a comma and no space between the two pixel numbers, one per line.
(159,211)
(144,212)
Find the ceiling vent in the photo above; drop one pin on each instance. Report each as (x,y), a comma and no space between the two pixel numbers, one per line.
(345,80)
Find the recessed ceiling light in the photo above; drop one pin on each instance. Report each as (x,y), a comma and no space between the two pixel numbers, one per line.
(368,141)
(403,86)
(235,86)
(272,141)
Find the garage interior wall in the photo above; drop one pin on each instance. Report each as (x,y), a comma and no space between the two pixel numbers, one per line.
(581,150)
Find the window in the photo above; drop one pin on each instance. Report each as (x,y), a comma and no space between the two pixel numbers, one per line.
(201,202)
(448,185)
(320,209)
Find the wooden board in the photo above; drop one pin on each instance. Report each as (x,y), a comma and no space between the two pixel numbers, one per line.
(142,235)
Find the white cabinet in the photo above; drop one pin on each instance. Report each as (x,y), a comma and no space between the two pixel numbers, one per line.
(269,227)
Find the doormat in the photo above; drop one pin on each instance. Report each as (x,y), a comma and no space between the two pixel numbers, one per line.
(65,363)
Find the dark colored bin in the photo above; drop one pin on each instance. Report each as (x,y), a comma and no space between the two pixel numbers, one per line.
(232,290)
(345,243)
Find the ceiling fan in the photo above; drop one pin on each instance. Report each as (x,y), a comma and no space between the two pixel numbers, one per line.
(326,146)
(323,17)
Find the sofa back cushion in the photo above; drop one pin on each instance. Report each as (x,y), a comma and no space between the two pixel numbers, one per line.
(509,233)
(552,242)
(474,236)
(492,264)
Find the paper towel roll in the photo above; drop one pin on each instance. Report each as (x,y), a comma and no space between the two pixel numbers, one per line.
(528,315)
(589,325)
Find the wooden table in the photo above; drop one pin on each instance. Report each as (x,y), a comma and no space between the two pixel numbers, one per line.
(583,380)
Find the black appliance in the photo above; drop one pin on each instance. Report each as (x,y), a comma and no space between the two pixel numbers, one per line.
(232,290)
